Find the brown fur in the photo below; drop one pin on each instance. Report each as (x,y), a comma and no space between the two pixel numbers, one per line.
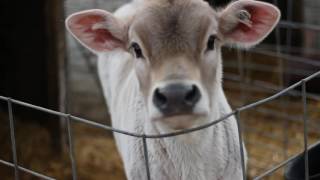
(173,36)
(172,28)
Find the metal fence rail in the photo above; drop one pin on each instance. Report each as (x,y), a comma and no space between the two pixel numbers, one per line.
(144,137)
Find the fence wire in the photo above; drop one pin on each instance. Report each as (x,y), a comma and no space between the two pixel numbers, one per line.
(69,118)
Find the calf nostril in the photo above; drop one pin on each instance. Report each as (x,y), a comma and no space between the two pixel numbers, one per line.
(160,99)
(193,96)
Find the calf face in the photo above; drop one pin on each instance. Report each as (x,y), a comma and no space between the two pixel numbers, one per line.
(175,46)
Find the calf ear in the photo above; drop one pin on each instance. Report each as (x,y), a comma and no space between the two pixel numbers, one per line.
(245,23)
(97,30)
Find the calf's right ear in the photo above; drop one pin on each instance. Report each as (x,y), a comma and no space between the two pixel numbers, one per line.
(98,30)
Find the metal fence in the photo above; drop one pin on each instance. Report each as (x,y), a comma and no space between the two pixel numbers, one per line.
(280,52)
(144,137)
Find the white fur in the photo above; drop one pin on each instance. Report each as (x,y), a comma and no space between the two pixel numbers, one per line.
(209,154)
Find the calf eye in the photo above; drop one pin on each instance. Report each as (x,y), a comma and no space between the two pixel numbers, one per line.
(210,44)
(137,50)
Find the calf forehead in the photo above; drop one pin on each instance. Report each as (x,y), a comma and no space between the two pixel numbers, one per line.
(174,27)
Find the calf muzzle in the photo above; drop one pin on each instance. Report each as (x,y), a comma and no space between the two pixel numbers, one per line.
(176,99)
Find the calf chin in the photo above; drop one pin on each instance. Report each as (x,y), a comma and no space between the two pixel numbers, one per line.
(180,122)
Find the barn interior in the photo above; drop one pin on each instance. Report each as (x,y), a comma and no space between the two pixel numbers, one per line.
(42,64)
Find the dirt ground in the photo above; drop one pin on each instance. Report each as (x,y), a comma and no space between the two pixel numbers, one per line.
(95,153)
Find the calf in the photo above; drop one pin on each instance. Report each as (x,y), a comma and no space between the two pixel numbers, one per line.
(160,65)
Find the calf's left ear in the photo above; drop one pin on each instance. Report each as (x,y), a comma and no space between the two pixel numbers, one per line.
(245,23)
(97,30)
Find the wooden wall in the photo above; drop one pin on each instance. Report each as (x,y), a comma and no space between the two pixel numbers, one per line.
(32,57)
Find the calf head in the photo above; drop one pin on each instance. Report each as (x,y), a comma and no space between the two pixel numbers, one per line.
(176,49)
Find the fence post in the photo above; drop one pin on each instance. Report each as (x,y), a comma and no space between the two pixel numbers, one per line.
(146,156)
(13,140)
(71,148)
(305,131)
(243,166)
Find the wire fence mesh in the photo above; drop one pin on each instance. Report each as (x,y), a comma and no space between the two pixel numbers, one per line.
(69,118)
